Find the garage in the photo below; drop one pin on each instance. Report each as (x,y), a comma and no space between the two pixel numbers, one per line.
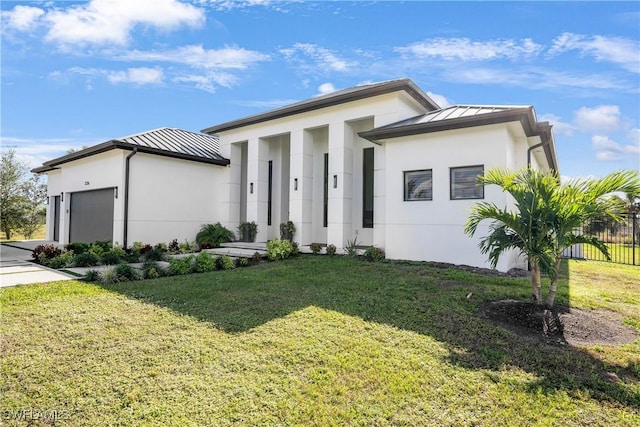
(91,215)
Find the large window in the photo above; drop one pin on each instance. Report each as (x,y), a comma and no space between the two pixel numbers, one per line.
(465,184)
(367,187)
(418,185)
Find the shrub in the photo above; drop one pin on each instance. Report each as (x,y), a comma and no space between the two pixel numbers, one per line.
(374,254)
(224,263)
(247,231)
(91,276)
(287,230)
(44,253)
(173,247)
(213,235)
(65,259)
(87,259)
(77,248)
(180,266)
(295,250)
(156,253)
(152,270)
(315,248)
(188,247)
(242,262)
(352,247)
(331,250)
(279,249)
(115,255)
(256,258)
(126,272)
(108,276)
(105,245)
(204,263)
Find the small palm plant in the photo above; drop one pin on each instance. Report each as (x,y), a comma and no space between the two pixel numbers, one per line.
(545,217)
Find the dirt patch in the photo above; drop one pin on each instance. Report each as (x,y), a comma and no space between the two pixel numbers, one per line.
(562,325)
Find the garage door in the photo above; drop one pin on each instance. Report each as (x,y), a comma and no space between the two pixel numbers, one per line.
(91,216)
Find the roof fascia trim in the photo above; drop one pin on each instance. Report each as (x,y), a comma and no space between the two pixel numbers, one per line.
(315,104)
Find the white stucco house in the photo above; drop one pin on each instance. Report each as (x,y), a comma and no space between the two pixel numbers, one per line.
(381,163)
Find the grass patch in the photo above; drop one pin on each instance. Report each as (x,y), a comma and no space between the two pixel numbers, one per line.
(311,341)
(17,236)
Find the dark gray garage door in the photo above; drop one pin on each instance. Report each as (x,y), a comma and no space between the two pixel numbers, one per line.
(91,216)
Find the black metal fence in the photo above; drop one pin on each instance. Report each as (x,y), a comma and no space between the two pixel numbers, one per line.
(622,239)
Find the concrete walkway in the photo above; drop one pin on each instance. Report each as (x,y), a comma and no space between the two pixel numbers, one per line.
(16,267)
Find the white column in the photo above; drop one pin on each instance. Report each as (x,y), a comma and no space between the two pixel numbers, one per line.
(258,181)
(340,184)
(301,199)
(235,177)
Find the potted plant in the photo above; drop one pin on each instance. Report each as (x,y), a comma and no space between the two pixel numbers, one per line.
(247,231)
(287,230)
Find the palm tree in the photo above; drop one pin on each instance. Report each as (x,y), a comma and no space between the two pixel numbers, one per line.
(545,217)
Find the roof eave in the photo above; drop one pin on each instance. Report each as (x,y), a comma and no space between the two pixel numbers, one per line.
(314,104)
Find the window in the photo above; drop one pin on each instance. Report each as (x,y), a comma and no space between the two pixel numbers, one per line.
(367,187)
(418,185)
(465,184)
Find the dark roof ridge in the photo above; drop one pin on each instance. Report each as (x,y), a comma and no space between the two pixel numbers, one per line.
(335,98)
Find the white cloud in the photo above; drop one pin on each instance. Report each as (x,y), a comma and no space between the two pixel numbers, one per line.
(209,81)
(323,58)
(464,49)
(441,100)
(35,151)
(326,88)
(609,150)
(22,18)
(602,118)
(140,76)
(198,57)
(618,50)
(110,22)
(559,127)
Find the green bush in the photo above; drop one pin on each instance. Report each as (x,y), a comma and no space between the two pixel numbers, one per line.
(187,247)
(65,259)
(77,248)
(91,276)
(213,235)
(224,263)
(156,253)
(126,272)
(204,263)
(115,255)
(152,270)
(279,249)
(315,248)
(180,266)
(374,254)
(108,276)
(331,250)
(242,262)
(87,259)
(44,253)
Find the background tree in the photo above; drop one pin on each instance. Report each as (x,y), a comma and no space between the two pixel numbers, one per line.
(545,218)
(12,208)
(34,193)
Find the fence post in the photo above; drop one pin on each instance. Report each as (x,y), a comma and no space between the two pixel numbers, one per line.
(633,238)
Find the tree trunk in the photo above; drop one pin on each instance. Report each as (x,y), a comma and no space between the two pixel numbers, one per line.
(551,297)
(535,282)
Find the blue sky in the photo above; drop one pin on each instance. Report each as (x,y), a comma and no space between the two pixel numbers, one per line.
(80,73)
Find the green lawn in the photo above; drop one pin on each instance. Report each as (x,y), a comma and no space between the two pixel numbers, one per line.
(312,341)
(619,252)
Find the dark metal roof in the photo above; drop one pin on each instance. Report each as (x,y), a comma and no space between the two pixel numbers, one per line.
(168,142)
(463,116)
(335,98)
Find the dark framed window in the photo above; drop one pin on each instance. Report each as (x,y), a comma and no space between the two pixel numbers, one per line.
(465,184)
(367,187)
(418,185)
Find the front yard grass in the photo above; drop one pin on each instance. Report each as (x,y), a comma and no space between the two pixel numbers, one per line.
(312,341)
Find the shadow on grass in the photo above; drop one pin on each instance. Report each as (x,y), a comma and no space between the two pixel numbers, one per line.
(413,296)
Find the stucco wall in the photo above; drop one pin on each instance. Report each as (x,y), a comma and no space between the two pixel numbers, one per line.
(433,230)
(171,198)
(105,170)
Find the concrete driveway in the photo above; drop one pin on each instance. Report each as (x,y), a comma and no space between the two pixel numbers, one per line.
(16,268)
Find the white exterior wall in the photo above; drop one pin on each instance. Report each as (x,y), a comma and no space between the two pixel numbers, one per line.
(168,198)
(433,230)
(311,134)
(172,198)
(105,170)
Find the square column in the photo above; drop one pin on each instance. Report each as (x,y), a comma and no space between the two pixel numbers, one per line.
(258,185)
(301,198)
(340,184)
